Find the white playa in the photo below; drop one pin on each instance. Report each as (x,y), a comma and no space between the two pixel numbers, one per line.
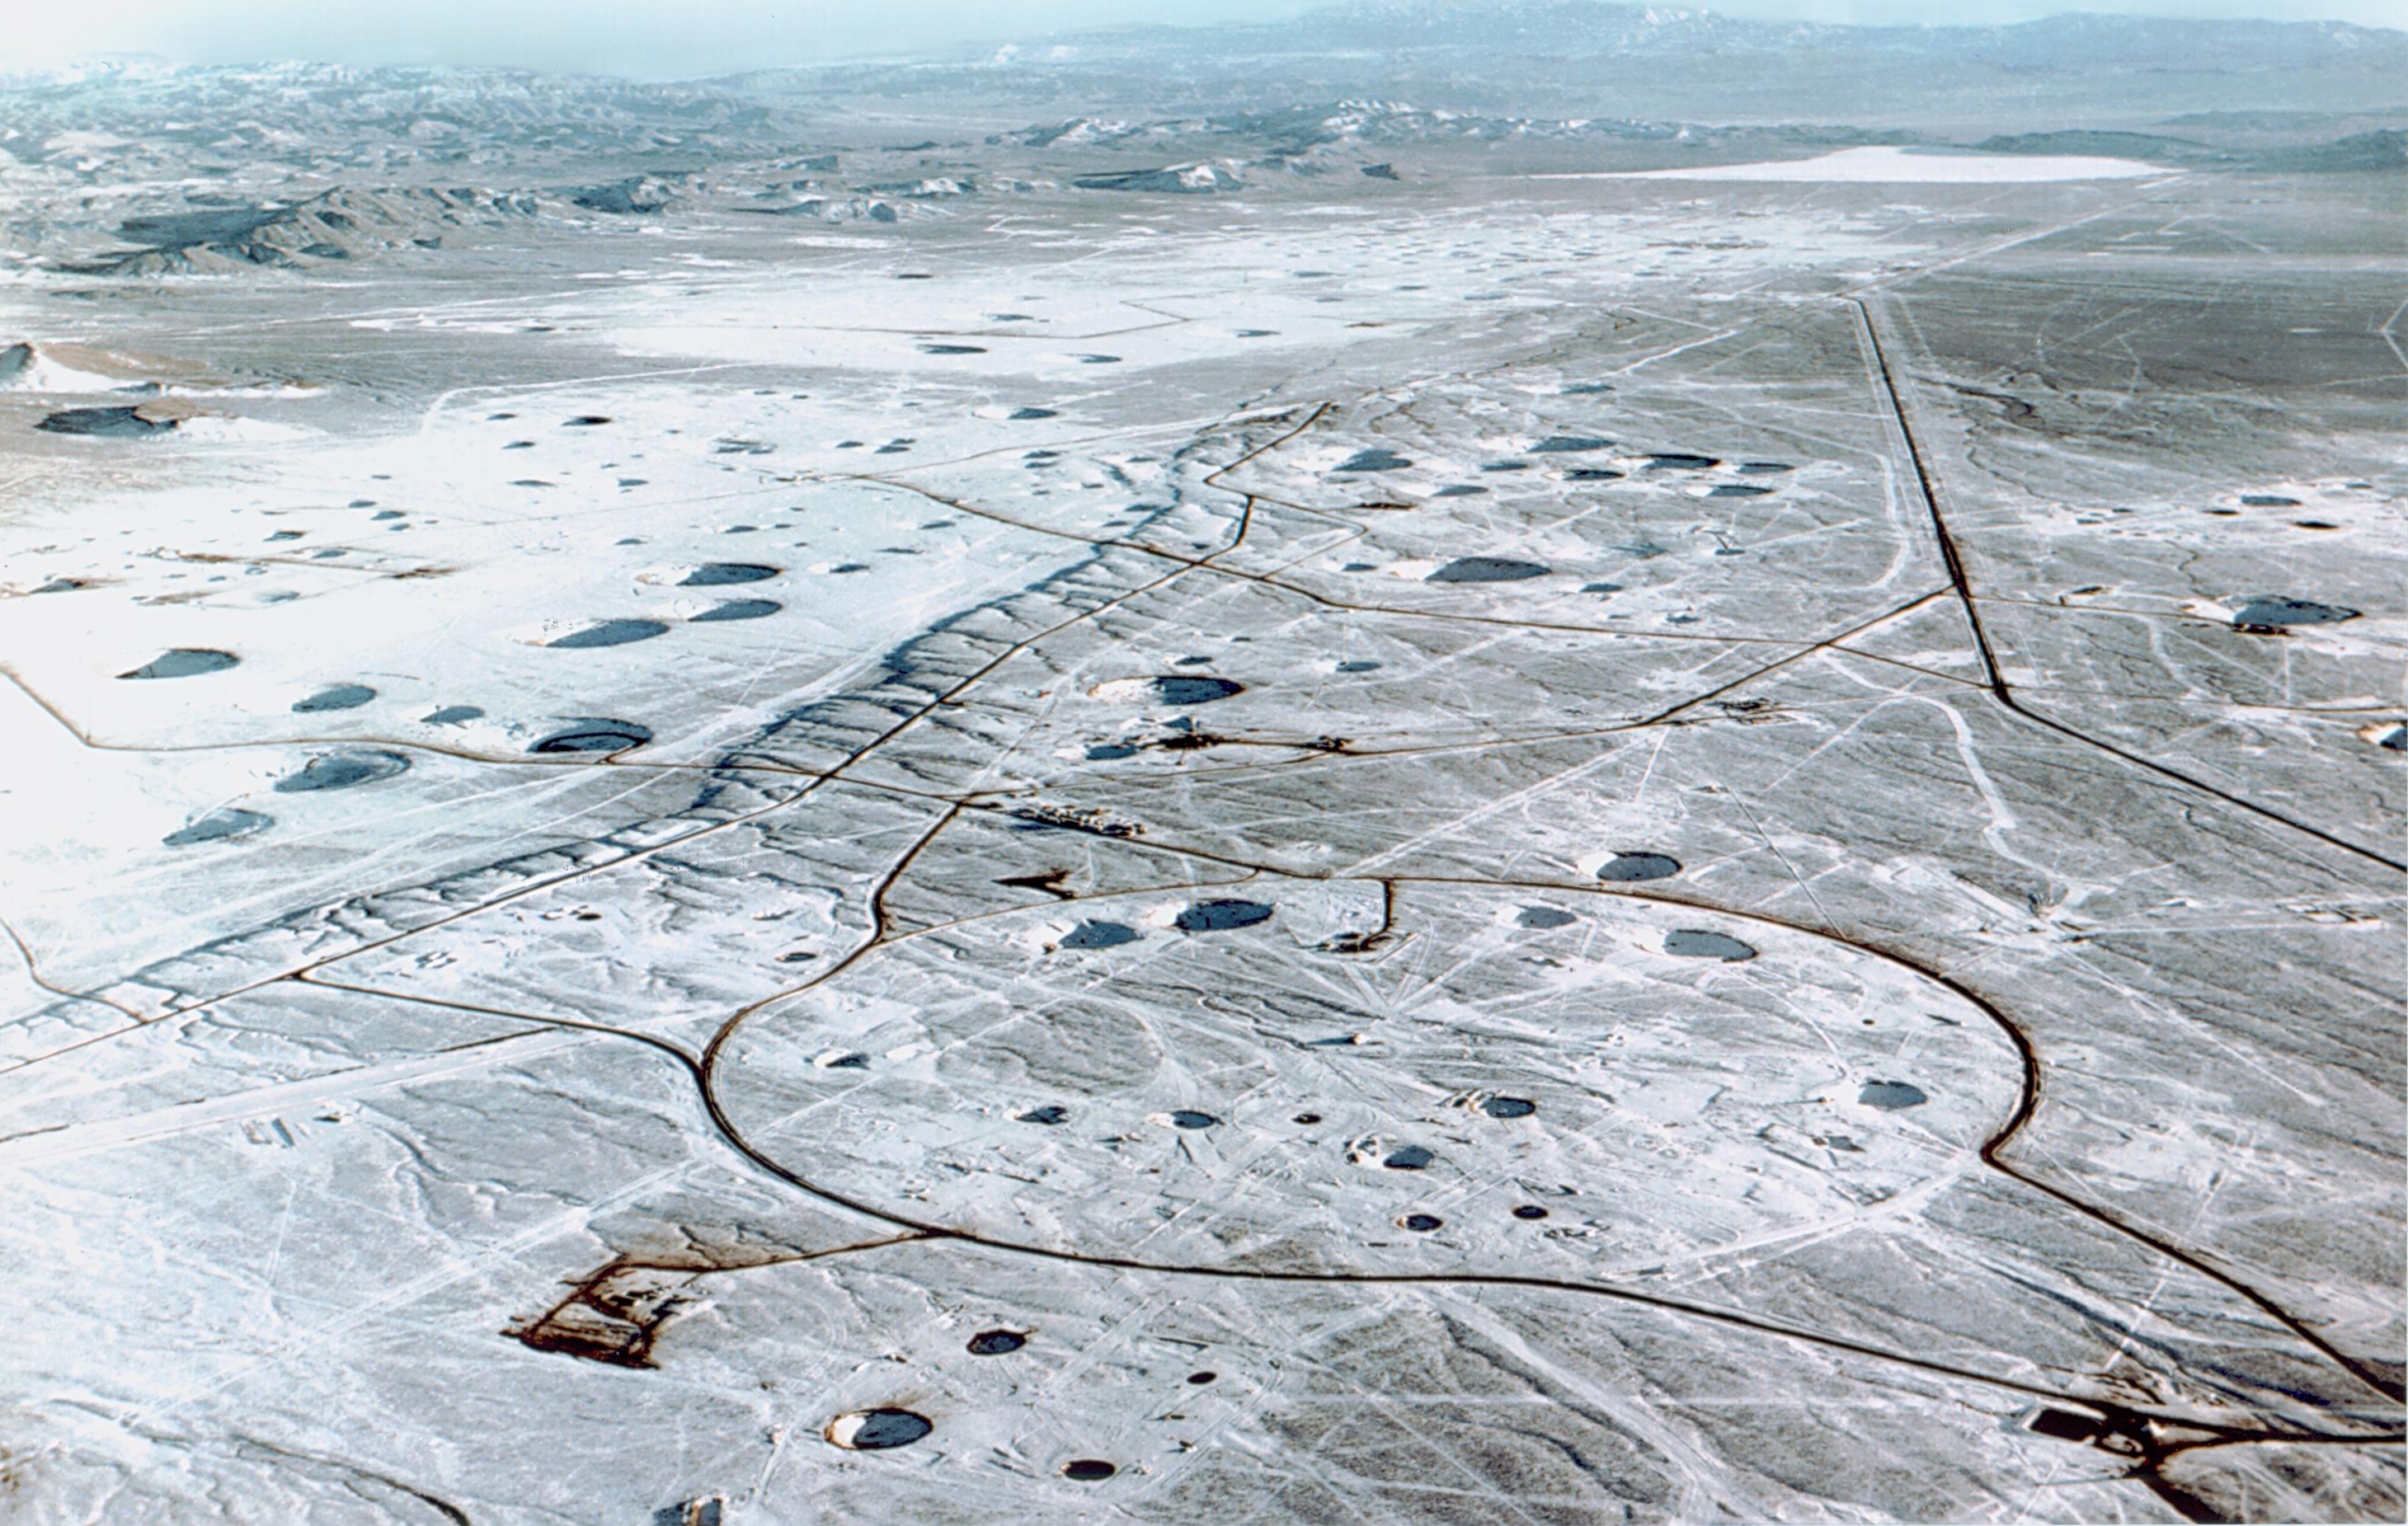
(1899,167)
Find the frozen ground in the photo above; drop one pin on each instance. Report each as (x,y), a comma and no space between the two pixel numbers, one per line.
(1468,847)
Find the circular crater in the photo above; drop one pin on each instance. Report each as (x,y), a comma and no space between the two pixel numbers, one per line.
(1180,688)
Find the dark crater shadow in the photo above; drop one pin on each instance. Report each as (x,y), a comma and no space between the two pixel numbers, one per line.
(342,696)
(1221,915)
(721,574)
(183,662)
(1700,943)
(1632,868)
(1488,569)
(343,771)
(218,826)
(737,609)
(594,733)
(609,633)
(1187,689)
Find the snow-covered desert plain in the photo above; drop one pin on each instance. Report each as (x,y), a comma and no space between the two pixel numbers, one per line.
(831,809)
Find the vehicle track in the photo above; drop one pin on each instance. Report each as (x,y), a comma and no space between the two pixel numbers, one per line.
(1998,687)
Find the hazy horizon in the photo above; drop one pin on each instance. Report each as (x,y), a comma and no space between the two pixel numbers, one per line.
(654,39)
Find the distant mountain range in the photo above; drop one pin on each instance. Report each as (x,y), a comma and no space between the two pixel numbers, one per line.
(1574,58)
(2079,40)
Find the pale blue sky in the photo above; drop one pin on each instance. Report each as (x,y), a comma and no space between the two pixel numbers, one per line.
(672,38)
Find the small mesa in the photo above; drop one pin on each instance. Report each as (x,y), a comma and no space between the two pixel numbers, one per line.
(1420,1224)
(2267,500)
(1529,1210)
(1373,460)
(1026,415)
(584,420)
(1632,868)
(1048,1114)
(1736,490)
(1890,1096)
(1509,1107)
(1088,1470)
(218,826)
(1100,935)
(1408,1158)
(1184,1118)
(452,715)
(1700,943)
(1544,916)
(995,1343)
(1555,445)
(1200,1378)
(877,1429)
(106,424)
(590,734)
(343,771)
(1219,916)
(342,696)
(1487,569)
(183,662)
(1461,490)
(1763,468)
(1675,461)
(953,350)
